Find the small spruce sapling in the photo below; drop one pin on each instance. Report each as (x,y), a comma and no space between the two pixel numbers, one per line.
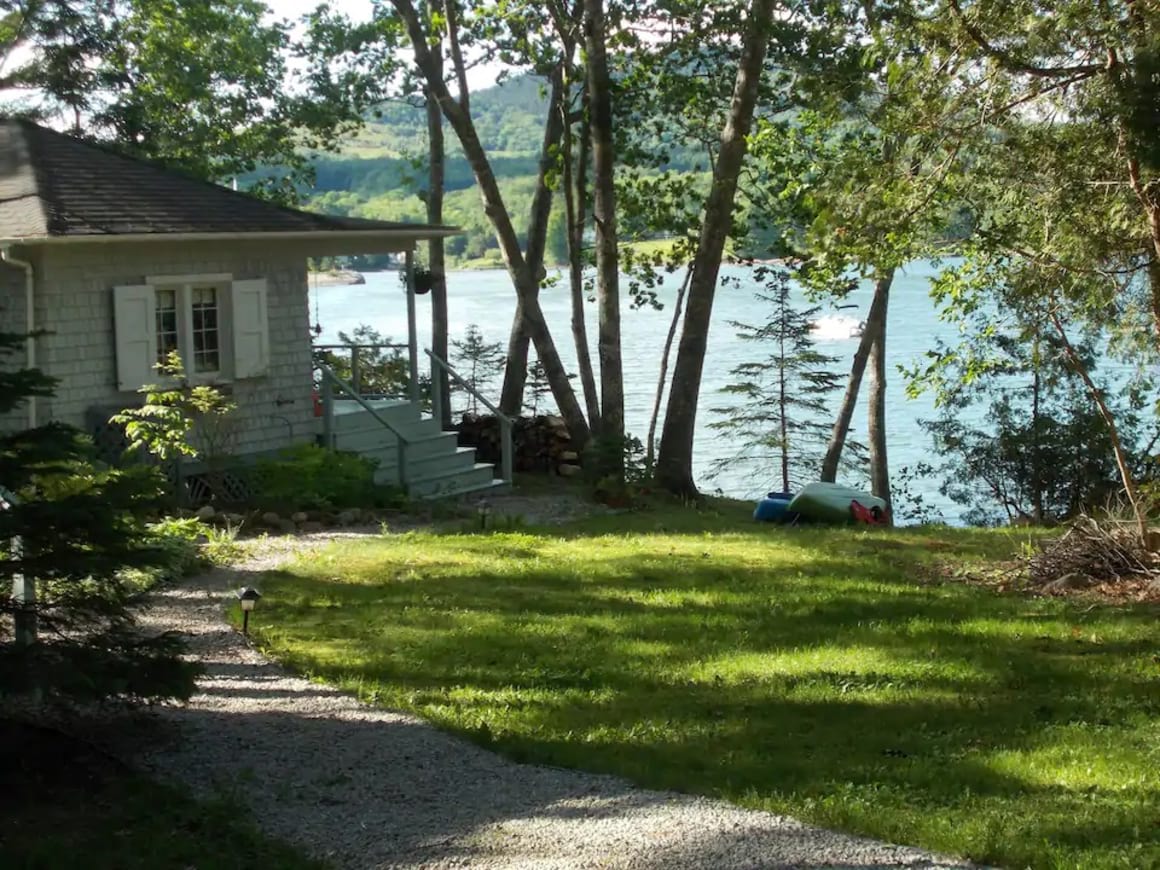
(782,398)
(478,362)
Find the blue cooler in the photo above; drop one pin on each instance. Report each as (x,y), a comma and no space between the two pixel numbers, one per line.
(773,508)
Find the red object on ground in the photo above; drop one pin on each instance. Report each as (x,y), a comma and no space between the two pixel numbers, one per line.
(869,516)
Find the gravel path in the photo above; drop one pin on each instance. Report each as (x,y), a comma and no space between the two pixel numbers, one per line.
(371,788)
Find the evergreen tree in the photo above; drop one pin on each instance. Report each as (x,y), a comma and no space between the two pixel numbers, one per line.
(784,396)
(478,362)
(71,531)
(537,389)
(384,369)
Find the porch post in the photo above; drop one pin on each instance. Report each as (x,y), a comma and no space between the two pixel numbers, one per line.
(412,325)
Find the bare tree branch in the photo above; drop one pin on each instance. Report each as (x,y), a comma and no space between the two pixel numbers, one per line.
(457,56)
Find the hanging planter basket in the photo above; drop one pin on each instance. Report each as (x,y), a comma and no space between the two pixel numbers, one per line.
(423,280)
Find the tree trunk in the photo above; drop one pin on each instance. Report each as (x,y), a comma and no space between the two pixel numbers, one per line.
(607,255)
(575,183)
(877,313)
(1154,267)
(1037,509)
(525,278)
(782,400)
(675,463)
(1138,509)
(516,371)
(876,416)
(435,254)
(665,354)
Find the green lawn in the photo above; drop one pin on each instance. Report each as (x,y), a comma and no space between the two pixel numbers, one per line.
(827,674)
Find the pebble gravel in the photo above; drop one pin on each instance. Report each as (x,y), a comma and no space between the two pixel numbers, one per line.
(363,787)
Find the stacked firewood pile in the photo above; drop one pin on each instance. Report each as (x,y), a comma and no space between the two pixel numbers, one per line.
(541,443)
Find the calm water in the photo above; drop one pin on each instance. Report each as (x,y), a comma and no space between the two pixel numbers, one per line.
(488,300)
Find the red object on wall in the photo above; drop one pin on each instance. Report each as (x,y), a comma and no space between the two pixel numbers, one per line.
(317,402)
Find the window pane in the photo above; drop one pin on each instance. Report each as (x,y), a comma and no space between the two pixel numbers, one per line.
(166,326)
(206,344)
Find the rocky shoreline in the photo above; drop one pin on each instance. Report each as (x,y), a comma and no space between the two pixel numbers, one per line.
(336,278)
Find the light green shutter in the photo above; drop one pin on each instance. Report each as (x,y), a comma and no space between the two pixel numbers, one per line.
(251,329)
(135,326)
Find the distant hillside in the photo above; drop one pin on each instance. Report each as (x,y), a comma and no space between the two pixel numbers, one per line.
(381,170)
(508,117)
(390,152)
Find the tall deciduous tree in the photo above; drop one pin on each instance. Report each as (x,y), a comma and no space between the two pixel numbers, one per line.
(526,266)
(575,183)
(205,86)
(1096,62)
(436,259)
(604,217)
(874,324)
(675,459)
(868,177)
(1067,176)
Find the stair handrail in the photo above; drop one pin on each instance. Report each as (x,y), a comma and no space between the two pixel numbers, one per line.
(331,380)
(355,359)
(505,422)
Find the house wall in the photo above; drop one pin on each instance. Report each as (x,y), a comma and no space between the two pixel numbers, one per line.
(13,320)
(75,303)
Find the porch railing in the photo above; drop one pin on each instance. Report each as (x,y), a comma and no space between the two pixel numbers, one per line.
(329,381)
(357,354)
(505,422)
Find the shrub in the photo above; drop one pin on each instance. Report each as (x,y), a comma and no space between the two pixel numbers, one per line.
(180,419)
(179,539)
(82,539)
(309,477)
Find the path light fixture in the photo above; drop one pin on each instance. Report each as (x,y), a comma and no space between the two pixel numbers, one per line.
(484,510)
(248,597)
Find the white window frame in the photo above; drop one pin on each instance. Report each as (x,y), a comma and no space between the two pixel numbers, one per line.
(183,287)
(242,325)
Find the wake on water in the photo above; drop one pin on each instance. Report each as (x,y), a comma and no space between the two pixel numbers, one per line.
(836,327)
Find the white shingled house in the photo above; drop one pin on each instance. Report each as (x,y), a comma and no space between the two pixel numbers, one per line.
(116,262)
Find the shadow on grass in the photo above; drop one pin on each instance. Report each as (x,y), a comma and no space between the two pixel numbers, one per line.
(374,788)
(820,680)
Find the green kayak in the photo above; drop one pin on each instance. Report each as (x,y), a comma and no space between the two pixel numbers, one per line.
(830,502)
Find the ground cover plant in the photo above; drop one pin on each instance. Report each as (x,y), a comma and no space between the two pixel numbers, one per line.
(64,804)
(832,674)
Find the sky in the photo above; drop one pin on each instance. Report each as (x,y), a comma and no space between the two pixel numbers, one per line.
(357,9)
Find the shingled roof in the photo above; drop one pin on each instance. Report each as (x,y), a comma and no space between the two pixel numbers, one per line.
(55,187)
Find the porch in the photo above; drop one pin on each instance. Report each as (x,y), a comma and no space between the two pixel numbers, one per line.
(396,419)
(412,446)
